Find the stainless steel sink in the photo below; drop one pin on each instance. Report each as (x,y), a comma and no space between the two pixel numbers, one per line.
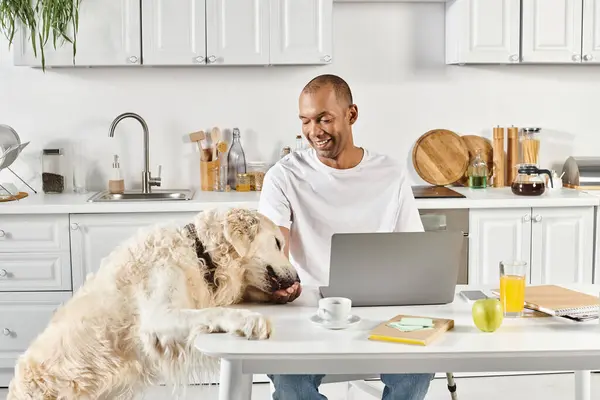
(155,195)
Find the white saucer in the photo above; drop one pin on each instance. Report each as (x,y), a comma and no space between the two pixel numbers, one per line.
(352,320)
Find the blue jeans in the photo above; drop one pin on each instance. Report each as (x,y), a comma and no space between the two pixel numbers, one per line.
(306,387)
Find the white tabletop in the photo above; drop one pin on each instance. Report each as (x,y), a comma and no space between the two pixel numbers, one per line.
(296,338)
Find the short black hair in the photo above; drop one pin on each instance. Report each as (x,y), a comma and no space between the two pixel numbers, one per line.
(341,88)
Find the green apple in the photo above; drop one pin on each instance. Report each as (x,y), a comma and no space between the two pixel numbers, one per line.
(487,314)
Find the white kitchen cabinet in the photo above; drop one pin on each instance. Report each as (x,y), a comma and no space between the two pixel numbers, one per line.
(40,232)
(496,235)
(557,243)
(237,32)
(552,31)
(591,32)
(95,236)
(109,34)
(23,317)
(174,32)
(301,32)
(483,31)
(35,272)
(562,242)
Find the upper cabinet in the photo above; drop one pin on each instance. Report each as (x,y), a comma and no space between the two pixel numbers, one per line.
(522,31)
(237,32)
(174,32)
(483,31)
(109,34)
(301,32)
(194,32)
(552,31)
(591,31)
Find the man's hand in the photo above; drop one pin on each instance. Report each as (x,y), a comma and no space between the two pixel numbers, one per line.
(287,295)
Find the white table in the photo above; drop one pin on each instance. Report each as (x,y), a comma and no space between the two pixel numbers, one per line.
(299,347)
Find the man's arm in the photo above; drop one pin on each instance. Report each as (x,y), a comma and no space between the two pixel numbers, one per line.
(409,219)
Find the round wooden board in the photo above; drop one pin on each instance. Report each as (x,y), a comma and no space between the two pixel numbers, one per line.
(440,157)
(474,142)
(18,196)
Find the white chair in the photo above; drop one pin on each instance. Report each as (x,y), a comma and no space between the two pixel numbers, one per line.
(358,382)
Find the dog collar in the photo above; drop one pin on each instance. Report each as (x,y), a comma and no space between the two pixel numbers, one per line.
(209,275)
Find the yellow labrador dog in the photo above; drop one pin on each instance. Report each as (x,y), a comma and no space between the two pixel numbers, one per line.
(134,322)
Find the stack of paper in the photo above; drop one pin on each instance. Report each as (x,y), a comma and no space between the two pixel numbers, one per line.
(411,329)
(408,324)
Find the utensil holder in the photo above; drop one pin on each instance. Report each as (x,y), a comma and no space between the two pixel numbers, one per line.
(209,175)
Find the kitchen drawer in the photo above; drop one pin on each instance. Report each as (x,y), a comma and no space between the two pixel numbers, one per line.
(34,233)
(21,272)
(23,316)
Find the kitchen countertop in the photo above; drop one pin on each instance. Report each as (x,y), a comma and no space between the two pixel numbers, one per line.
(475,198)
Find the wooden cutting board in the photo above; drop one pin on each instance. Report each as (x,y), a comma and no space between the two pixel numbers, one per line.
(440,157)
(474,142)
(18,196)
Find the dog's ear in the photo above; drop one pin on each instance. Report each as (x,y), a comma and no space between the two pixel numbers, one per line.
(241,228)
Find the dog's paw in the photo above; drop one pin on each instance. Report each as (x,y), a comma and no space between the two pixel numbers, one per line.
(252,325)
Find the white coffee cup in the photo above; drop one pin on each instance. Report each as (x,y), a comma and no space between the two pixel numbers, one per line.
(334,309)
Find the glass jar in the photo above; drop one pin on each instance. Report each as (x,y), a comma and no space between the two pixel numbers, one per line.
(53,175)
(257,171)
(529,139)
(242,183)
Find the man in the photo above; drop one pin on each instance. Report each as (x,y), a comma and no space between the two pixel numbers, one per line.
(334,187)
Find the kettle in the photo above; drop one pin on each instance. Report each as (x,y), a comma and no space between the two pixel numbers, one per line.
(528,181)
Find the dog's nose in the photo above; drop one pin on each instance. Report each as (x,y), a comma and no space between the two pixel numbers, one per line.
(278,282)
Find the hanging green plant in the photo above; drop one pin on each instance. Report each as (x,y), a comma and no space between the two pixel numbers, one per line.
(43,19)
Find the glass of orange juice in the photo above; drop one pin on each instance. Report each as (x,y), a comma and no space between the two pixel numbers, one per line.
(512,287)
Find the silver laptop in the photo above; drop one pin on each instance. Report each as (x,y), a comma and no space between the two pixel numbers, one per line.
(395,268)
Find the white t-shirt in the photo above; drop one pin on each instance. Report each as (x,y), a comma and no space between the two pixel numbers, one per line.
(315,201)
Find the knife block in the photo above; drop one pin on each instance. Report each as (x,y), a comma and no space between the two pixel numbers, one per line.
(209,175)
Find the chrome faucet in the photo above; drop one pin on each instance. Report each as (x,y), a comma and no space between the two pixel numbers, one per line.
(147,180)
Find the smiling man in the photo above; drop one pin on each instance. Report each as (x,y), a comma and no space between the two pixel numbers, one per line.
(334,187)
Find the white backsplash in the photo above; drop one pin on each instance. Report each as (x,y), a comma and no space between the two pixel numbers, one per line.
(392,55)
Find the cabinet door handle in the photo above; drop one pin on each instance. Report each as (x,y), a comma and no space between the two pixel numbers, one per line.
(6,332)
(527,218)
(326,58)
(133,59)
(576,57)
(199,59)
(514,58)
(537,218)
(2,233)
(3,273)
(212,59)
(74,226)
(588,57)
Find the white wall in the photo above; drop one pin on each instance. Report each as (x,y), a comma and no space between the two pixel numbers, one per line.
(392,55)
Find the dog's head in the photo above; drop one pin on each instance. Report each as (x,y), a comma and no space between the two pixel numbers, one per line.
(260,243)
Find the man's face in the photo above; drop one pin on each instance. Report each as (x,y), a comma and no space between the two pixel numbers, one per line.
(326,121)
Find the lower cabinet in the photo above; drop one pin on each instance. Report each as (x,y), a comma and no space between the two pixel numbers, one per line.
(94,236)
(556,242)
(23,316)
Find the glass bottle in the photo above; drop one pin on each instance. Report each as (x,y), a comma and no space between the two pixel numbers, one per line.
(236,160)
(478,172)
(299,144)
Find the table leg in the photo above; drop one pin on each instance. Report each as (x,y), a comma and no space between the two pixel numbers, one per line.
(233,384)
(583,385)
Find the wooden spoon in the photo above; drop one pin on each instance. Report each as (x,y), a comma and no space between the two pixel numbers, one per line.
(215,136)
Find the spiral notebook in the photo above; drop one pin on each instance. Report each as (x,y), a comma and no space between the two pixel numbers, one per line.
(561,302)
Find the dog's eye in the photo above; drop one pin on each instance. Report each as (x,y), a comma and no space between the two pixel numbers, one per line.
(278,244)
